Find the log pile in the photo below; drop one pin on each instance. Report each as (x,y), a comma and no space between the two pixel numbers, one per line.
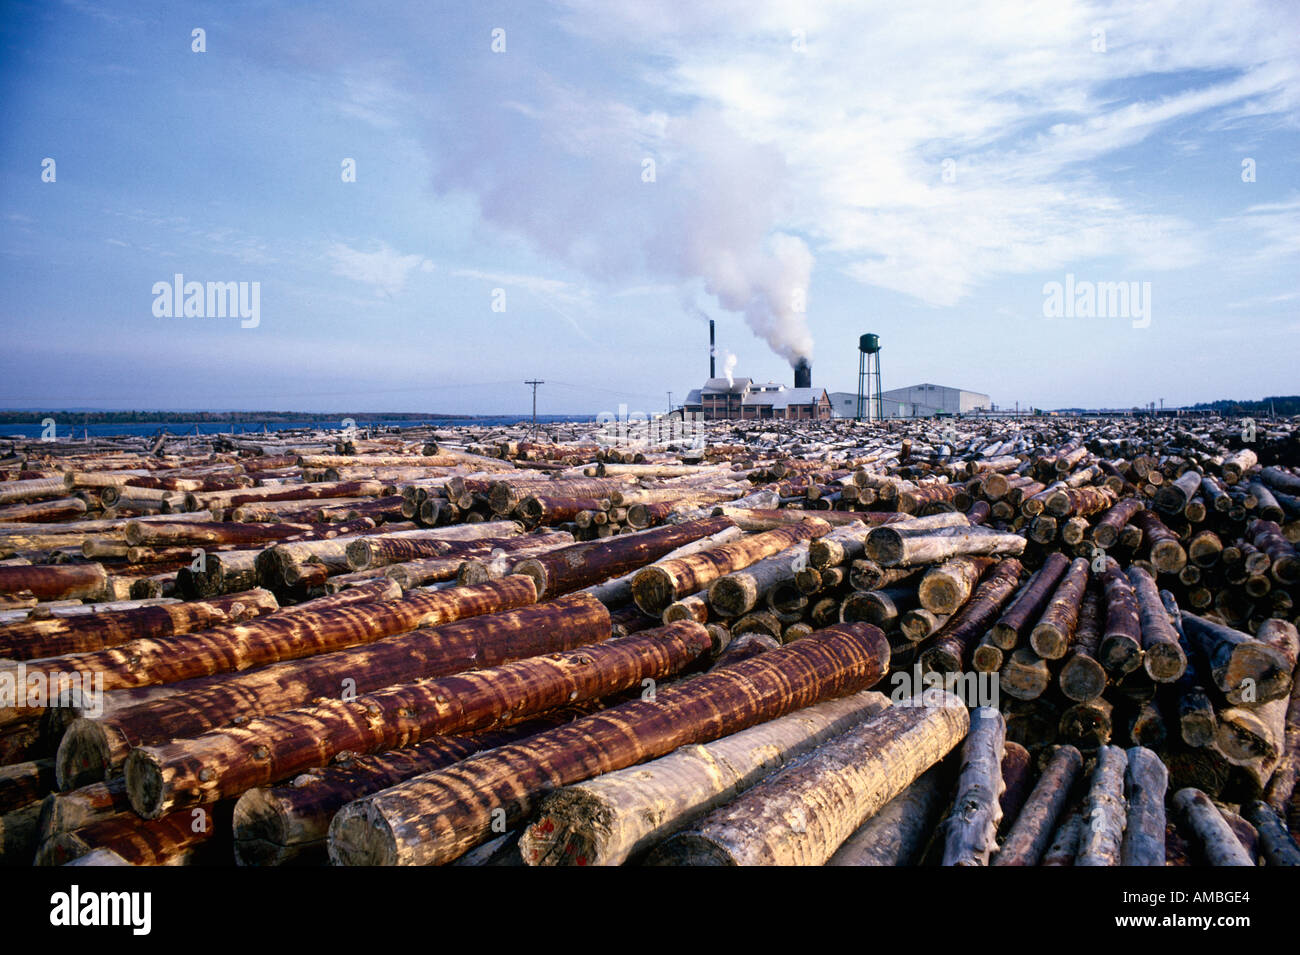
(423,646)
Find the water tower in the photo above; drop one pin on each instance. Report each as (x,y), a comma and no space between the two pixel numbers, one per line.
(869,397)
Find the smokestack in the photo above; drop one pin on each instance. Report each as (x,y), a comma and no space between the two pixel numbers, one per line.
(802,374)
(712,352)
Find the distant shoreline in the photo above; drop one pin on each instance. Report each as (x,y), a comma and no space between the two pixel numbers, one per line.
(79,418)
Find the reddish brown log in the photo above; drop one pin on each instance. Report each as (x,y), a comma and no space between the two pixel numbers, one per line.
(1163,547)
(1120,648)
(1162,656)
(581,565)
(1081,676)
(658,585)
(54,636)
(89,747)
(1030,603)
(949,650)
(225,763)
(1106,530)
(55,582)
(438,816)
(1052,635)
(288,823)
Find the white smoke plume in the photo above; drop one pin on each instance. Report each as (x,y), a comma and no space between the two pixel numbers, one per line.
(729,368)
(624,194)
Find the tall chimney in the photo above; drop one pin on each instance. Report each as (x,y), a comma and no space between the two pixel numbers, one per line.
(802,374)
(712,352)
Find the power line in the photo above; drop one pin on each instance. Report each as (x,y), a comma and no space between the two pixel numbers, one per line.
(534,382)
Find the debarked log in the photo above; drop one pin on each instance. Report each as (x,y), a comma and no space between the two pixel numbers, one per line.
(970,831)
(892,548)
(614,817)
(1101,840)
(803,814)
(1144,831)
(896,835)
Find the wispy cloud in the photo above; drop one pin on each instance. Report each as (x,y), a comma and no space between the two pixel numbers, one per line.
(385,269)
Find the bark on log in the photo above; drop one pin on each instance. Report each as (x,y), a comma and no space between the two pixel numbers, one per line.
(1052,635)
(289,823)
(1163,547)
(970,831)
(179,839)
(1101,840)
(658,585)
(1107,530)
(946,587)
(1242,667)
(90,747)
(55,582)
(56,636)
(1029,605)
(436,817)
(1065,841)
(1275,842)
(1033,828)
(1017,779)
(1144,832)
(18,835)
(1162,656)
(1120,648)
(285,636)
(743,647)
(803,814)
(228,762)
(1082,677)
(615,817)
(581,565)
(1215,838)
(949,650)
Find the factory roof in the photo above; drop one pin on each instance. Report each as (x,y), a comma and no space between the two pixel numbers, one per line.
(783,399)
(735,386)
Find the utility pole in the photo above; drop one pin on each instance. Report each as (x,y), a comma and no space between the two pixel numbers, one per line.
(534,382)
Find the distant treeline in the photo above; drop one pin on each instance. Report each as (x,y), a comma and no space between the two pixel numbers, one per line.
(184,417)
(1283,405)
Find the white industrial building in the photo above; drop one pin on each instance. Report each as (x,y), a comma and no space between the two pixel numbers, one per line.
(915,401)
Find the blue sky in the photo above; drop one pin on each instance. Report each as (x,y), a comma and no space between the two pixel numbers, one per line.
(820,170)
